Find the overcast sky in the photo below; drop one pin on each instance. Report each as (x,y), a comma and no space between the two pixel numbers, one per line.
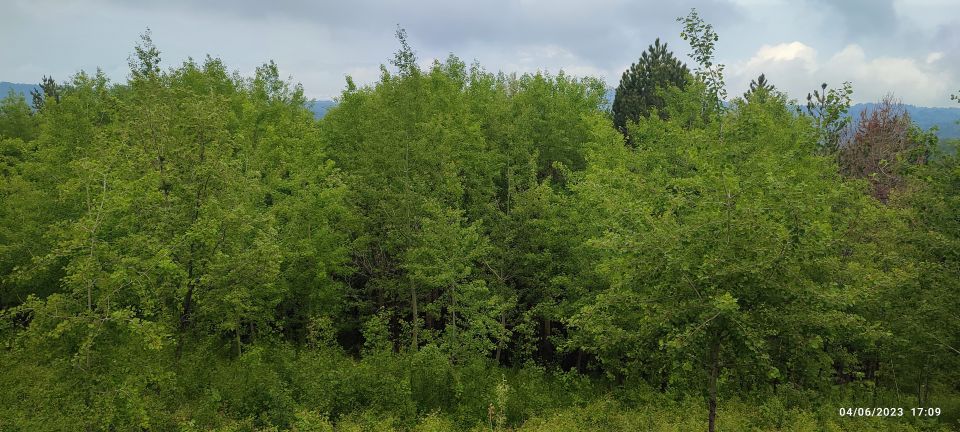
(908,47)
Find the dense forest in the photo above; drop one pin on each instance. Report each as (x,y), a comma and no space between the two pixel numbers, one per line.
(455,249)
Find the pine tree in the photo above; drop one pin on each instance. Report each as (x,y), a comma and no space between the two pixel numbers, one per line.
(49,89)
(637,94)
(760,88)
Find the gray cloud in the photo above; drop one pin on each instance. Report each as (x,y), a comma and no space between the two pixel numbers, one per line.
(319,42)
(864,19)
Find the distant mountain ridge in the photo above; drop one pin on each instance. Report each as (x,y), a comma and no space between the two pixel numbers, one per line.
(945,119)
(320,107)
(22,89)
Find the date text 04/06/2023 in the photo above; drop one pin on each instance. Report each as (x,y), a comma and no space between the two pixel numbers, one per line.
(889,412)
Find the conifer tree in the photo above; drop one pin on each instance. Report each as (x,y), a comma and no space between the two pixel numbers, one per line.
(760,88)
(49,89)
(636,96)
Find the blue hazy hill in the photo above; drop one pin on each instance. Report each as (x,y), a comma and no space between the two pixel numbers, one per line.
(945,119)
(320,107)
(21,89)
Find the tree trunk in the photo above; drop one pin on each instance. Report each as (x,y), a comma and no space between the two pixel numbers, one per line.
(415,343)
(712,385)
(191,282)
(428,320)
(185,312)
(920,381)
(453,310)
(923,386)
(545,340)
(237,334)
(503,322)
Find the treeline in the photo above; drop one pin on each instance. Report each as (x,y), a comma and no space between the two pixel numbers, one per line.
(453,248)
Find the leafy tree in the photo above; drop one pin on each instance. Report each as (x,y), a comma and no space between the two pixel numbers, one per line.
(636,95)
(920,313)
(404,59)
(468,142)
(702,41)
(306,195)
(406,154)
(16,118)
(828,109)
(145,61)
(443,259)
(713,258)
(162,235)
(36,188)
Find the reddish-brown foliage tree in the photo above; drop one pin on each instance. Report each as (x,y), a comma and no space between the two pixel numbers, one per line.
(880,145)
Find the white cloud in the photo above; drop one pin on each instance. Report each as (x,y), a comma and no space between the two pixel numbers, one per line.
(797,69)
(785,52)
(782,56)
